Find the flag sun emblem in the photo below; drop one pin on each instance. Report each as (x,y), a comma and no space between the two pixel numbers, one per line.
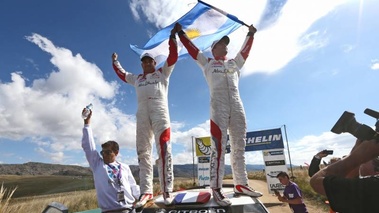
(193,33)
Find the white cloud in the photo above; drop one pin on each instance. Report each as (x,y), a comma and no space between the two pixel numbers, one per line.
(375,64)
(303,150)
(53,156)
(348,48)
(46,111)
(160,12)
(31,61)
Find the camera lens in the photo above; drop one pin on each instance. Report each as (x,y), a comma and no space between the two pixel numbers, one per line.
(347,123)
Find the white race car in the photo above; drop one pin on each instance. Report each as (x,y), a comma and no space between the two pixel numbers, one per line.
(199,200)
(194,200)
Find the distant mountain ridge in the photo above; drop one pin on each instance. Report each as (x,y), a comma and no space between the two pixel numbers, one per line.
(36,168)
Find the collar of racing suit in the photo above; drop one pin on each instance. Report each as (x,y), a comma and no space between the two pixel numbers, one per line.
(144,74)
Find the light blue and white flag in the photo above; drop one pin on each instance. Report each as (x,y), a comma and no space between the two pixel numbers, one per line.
(203,24)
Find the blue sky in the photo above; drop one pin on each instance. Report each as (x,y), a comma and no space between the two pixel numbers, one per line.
(311,60)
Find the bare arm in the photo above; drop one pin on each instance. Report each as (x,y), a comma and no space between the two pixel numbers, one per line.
(361,153)
(314,167)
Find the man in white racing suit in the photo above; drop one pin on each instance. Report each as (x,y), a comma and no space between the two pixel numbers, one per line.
(227,111)
(152,120)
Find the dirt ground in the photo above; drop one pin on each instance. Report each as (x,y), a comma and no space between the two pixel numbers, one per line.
(271,201)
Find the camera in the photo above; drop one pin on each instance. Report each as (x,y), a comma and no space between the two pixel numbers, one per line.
(347,123)
(328,152)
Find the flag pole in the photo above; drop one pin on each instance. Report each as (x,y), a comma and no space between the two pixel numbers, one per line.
(289,153)
(234,18)
(193,163)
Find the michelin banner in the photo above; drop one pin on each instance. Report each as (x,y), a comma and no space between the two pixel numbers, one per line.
(262,140)
(269,141)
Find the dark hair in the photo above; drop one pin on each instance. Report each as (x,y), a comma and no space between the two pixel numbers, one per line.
(113,145)
(282,174)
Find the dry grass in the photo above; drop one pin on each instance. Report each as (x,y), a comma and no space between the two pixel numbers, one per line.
(302,180)
(75,201)
(5,197)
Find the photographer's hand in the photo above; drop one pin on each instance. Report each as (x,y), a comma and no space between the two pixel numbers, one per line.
(362,152)
(321,154)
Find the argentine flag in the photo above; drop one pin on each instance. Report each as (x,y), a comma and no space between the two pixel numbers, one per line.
(202,24)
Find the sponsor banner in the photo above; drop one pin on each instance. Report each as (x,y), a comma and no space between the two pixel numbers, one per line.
(275,162)
(203,170)
(262,140)
(203,146)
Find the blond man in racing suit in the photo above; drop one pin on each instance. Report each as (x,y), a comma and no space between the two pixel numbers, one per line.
(227,111)
(152,120)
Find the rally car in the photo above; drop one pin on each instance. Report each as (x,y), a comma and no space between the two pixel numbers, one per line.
(199,200)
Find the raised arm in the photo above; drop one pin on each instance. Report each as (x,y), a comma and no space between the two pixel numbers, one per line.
(121,73)
(173,48)
(88,143)
(314,167)
(172,58)
(246,47)
(194,52)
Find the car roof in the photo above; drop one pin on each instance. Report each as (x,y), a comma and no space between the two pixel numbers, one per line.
(238,201)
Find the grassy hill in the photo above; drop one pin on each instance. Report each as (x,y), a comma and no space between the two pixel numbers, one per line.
(35,168)
(28,186)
